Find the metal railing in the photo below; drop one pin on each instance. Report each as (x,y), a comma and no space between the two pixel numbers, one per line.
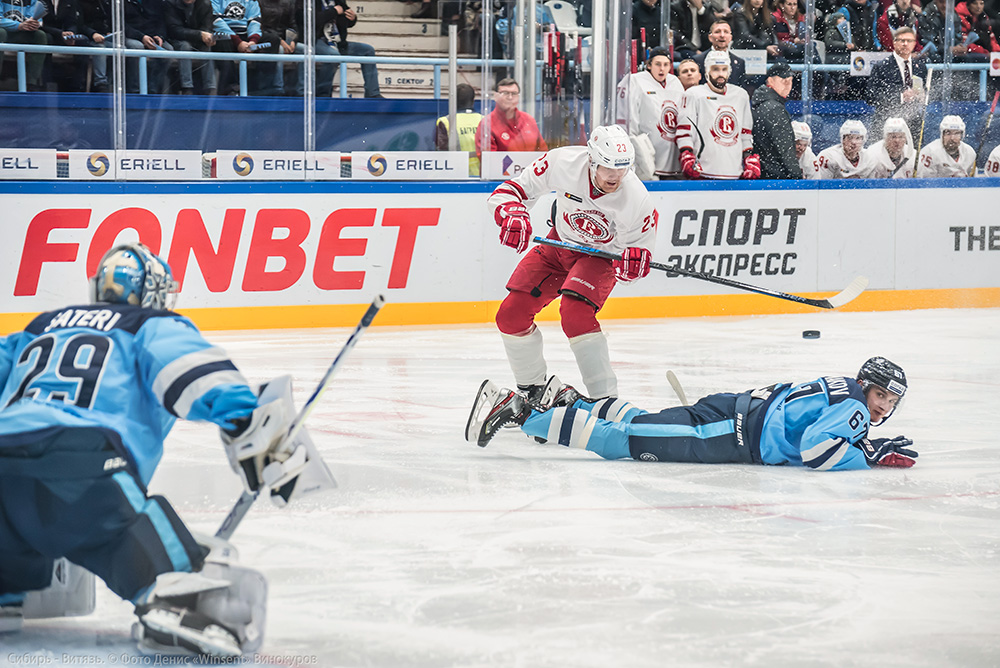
(243,58)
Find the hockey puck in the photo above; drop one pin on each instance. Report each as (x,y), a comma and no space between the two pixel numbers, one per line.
(810,334)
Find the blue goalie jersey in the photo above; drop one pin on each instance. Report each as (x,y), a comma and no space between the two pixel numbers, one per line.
(127,369)
(816,424)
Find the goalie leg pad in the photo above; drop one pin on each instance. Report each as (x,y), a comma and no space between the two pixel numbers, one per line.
(220,611)
(72,593)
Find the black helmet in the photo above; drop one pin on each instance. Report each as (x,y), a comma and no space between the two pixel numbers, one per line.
(887,375)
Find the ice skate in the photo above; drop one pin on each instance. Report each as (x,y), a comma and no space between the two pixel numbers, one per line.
(555,394)
(493,409)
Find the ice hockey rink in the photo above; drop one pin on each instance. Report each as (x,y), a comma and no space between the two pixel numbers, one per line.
(434,552)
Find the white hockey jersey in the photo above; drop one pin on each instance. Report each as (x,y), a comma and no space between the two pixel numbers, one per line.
(935,162)
(583,214)
(833,164)
(645,106)
(717,128)
(992,167)
(810,168)
(881,166)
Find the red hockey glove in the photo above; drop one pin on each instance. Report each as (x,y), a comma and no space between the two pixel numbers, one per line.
(633,264)
(888,452)
(689,164)
(515,225)
(751,166)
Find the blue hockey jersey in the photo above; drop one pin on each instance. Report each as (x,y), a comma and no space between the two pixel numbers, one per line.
(125,368)
(816,424)
(236,17)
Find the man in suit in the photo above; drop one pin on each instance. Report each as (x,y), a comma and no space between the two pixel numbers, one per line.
(896,84)
(721,36)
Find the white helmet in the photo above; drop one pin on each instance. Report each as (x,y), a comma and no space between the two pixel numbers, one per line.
(802,131)
(610,146)
(897,124)
(953,123)
(856,128)
(714,57)
(132,274)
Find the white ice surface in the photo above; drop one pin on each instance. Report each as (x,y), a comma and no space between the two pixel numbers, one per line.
(434,552)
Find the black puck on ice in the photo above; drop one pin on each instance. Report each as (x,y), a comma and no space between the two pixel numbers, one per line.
(810,334)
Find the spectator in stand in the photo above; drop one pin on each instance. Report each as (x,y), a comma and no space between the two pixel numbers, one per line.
(948,156)
(803,150)
(714,131)
(892,157)
(237,29)
(646,14)
(690,21)
(754,28)
(932,33)
(17,26)
(772,126)
(896,85)
(333,19)
(861,15)
(510,128)
(839,45)
(467,122)
(720,35)
(62,21)
(146,28)
(189,28)
(790,29)
(689,73)
(280,21)
(898,15)
(848,159)
(96,24)
(975,20)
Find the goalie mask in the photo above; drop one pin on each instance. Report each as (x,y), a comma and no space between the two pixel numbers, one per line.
(132,274)
(886,375)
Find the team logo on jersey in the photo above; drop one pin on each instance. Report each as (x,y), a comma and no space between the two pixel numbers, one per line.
(243,164)
(726,128)
(668,120)
(590,224)
(648,457)
(98,164)
(377,164)
(234,10)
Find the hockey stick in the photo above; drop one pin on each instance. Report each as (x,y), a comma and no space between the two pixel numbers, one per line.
(854,288)
(923,120)
(678,390)
(989,119)
(242,505)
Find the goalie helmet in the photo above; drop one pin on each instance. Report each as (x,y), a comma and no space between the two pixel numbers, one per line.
(854,128)
(132,274)
(610,147)
(802,131)
(953,123)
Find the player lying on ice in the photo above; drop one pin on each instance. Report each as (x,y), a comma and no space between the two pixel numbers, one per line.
(89,393)
(822,424)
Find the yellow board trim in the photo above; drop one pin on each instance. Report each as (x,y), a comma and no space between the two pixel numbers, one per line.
(453,313)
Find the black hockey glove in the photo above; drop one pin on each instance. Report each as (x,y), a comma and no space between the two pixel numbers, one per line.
(888,451)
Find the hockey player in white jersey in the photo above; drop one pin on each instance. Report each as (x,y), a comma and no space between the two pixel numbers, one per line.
(947,156)
(803,150)
(892,156)
(648,103)
(714,133)
(848,159)
(600,203)
(88,394)
(992,167)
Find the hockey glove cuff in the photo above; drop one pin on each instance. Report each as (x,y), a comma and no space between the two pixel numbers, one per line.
(751,166)
(633,264)
(689,164)
(893,452)
(515,225)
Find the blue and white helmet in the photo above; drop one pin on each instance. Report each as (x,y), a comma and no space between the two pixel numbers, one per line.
(953,123)
(132,274)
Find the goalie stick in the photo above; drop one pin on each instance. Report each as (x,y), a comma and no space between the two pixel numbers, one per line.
(242,505)
(853,289)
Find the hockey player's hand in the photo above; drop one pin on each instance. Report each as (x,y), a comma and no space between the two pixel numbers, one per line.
(888,451)
(689,165)
(515,225)
(751,166)
(633,264)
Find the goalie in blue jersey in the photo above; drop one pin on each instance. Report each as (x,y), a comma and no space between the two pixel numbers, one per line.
(822,424)
(89,393)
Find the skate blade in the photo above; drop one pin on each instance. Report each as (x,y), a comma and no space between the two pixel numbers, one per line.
(485,398)
(212,640)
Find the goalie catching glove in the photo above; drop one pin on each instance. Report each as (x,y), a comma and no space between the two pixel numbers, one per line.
(515,225)
(893,452)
